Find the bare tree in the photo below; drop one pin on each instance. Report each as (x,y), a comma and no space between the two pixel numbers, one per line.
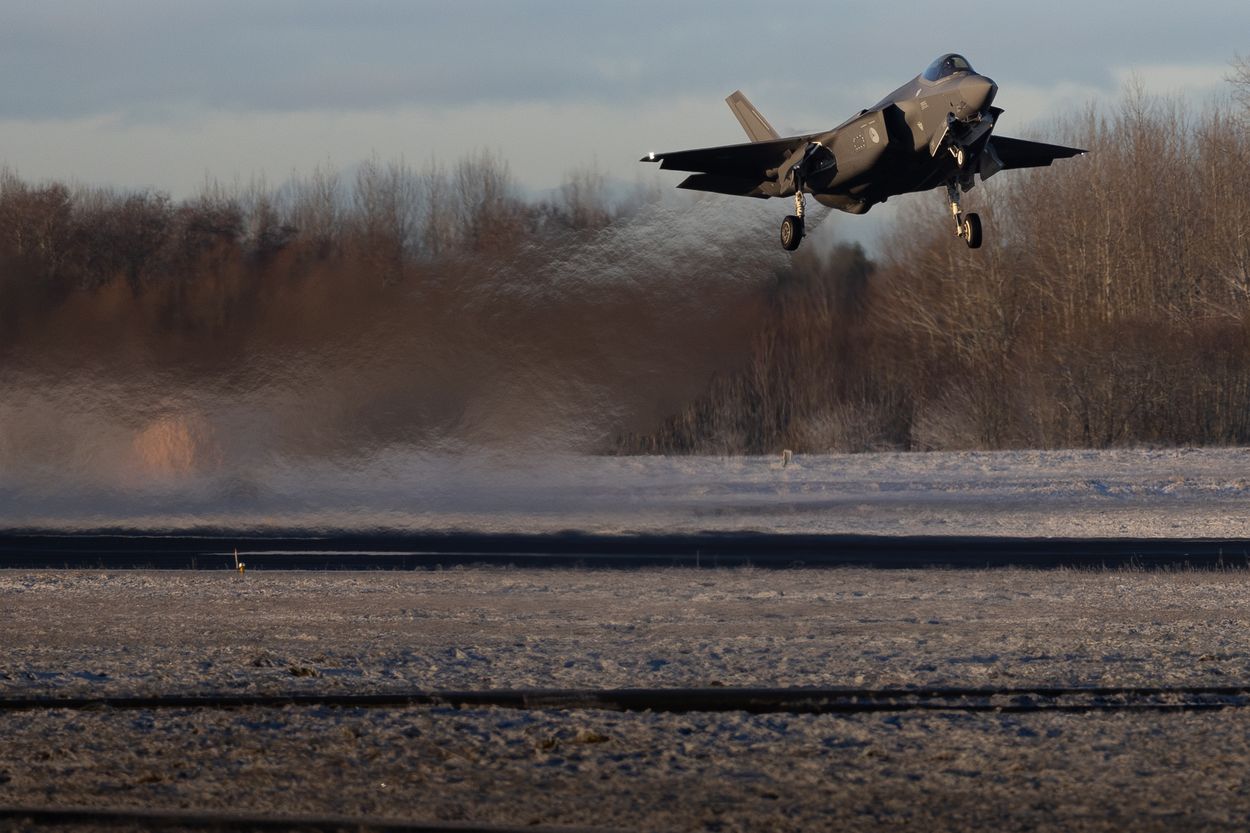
(1222,170)
(211,224)
(265,231)
(491,214)
(968,310)
(584,198)
(1239,77)
(385,199)
(441,230)
(37,224)
(317,208)
(139,229)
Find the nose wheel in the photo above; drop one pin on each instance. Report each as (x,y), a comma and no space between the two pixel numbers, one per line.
(967,229)
(792,228)
(971,231)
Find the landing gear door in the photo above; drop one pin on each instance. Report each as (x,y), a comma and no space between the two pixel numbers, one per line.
(989,163)
(939,138)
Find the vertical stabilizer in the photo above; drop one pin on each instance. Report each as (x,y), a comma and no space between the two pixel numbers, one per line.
(756,126)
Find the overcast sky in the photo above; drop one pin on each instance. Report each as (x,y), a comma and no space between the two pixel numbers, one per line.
(155,93)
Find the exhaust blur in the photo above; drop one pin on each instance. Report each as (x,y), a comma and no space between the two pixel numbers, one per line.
(174,362)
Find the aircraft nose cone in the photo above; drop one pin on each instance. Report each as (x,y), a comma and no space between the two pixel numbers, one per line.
(979,92)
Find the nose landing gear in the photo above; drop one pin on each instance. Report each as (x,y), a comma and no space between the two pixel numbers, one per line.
(967,228)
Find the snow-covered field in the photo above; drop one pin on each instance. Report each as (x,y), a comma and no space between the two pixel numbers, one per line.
(85,633)
(1127,492)
(79,634)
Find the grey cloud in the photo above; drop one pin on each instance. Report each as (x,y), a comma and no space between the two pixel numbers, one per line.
(142,58)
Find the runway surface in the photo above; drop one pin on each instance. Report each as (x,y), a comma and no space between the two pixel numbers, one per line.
(214,551)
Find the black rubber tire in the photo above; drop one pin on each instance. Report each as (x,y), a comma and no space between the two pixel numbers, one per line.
(791,232)
(974,231)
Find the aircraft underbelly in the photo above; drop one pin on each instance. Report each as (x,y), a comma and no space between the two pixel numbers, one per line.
(844,202)
(855,191)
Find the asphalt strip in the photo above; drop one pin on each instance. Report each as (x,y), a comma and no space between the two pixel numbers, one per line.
(121,550)
(96,817)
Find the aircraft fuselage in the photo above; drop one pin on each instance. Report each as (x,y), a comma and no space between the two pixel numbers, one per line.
(887,150)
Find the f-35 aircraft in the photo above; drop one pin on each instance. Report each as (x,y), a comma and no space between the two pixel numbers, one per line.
(934,130)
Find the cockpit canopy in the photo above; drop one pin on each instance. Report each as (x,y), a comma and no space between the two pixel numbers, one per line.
(946,66)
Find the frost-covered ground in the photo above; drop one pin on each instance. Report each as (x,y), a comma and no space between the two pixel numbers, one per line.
(1128,492)
(65,633)
(85,633)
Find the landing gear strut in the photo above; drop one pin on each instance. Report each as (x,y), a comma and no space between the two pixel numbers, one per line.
(967,228)
(792,230)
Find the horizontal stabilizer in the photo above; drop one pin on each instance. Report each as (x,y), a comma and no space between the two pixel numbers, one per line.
(732,185)
(1019,153)
(756,126)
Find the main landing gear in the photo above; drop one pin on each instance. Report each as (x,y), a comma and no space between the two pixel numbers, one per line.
(792,230)
(967,228)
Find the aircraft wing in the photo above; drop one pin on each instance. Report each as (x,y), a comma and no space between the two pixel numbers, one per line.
(1019,153)
(739,170)
(752,161)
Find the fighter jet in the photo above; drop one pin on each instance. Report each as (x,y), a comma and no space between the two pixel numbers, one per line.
(936,130)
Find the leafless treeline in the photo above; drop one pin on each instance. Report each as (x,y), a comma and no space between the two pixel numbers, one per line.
(385,215)
(208,263)
(1109,306)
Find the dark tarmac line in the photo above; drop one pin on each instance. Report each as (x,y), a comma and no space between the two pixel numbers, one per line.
(758,701)
(109,818)
(122,550)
